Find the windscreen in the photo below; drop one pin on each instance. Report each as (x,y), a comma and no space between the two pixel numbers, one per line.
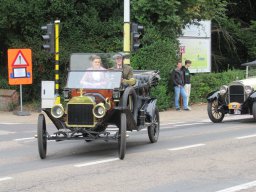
(94,79)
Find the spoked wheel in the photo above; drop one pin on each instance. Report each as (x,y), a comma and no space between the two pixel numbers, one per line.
(254,111)
(41,136)
(214,114)
(154,128)
(122,137)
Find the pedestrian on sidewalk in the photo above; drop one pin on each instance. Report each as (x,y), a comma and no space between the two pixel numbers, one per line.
(178,83)
(187,75)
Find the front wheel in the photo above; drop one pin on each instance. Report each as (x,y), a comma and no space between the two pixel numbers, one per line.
(154,128)
(41,136)
(214,114)
(122,137)
(254,111)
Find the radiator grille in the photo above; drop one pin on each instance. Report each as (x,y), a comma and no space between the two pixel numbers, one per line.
(80,114)
(236,93)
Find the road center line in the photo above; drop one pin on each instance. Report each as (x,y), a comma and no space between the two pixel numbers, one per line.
(239,187)
(246,137)
(22,139)
(95,162)
(186,147)
(5,178)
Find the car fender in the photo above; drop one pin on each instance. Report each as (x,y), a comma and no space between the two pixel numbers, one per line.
(150,108)
(213,95)
(253,96)
(130,91)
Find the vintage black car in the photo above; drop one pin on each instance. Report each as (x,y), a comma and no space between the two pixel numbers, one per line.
(89,108)
(238,98)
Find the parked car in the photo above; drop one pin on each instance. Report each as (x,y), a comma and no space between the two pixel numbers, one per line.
(89,108)
(238,97)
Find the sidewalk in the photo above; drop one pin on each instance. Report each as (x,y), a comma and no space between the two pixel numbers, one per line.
(198,112)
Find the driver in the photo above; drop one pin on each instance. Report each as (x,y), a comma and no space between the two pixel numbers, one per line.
(127,75)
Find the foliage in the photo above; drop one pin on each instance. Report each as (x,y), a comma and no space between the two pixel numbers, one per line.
(203,84)
(233,35)
(161,56)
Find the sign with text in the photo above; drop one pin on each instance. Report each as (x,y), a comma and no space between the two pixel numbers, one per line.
(197,40)
(20,66)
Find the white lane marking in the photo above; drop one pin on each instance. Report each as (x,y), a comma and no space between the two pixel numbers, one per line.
(246,137)
(5,178)
(95,162)
(239,187)
(6,132)
(10,123)
(188,124)
(24,139)
(186,147)
(172,123)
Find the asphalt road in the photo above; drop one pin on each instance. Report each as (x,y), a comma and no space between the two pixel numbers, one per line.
(199,156)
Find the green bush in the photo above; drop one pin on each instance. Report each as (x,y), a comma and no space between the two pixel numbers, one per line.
(160,55)
(204,83)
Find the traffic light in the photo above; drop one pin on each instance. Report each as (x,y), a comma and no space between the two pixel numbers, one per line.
(49,37)
(136,35)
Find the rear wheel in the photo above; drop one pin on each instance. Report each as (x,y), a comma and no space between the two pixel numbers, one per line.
(41,136)
(122,137)
(214,114)
(154,128)
(254,111)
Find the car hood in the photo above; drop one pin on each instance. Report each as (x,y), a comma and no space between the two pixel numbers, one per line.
(244,82)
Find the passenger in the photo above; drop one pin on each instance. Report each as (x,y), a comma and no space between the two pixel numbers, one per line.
(127,71)
(91,77)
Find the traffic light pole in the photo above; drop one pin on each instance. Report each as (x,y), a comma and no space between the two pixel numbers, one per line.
(127,34)
(57,27)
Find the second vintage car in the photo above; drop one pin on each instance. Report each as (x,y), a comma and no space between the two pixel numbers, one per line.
(238,97)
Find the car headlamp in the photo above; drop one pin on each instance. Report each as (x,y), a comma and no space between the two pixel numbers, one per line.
(99,110)
(57,111)
(66,94)
(248,89)
(116,94)
(223,89)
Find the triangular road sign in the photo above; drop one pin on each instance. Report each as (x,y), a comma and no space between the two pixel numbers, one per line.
(20,60)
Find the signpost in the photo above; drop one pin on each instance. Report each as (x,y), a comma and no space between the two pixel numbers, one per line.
(20,71)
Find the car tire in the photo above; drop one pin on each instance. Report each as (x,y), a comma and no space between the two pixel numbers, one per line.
(213,113)
(41,136)
(122,137)
(254,110)
(154,128)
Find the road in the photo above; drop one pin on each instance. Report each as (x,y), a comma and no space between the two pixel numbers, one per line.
(194,156)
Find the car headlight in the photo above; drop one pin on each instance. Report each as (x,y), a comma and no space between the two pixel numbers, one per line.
(248,89)
(223,89)
(57,111)
(99,110)
(116,94)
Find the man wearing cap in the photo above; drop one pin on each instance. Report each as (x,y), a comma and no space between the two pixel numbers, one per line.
(127,76)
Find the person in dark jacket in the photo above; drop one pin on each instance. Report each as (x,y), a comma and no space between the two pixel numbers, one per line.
(186,72)
(178,83)
(127,76)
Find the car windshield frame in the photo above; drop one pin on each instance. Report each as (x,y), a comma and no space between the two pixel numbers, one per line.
(94,79)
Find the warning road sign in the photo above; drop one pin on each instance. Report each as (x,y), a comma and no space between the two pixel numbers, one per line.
(19,66)
(20,60)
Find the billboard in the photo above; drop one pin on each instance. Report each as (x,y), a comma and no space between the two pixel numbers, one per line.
(195,44)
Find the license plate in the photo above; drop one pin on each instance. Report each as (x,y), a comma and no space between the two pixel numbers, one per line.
(234,106)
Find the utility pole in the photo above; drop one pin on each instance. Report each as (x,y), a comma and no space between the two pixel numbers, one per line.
(127,34)
(57,32)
